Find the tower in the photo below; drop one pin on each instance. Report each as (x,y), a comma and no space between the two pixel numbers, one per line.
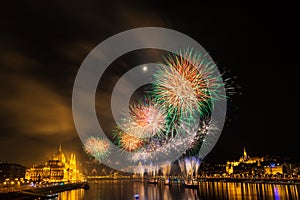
(244,157)
(245,153)
(73,161)
(72,168)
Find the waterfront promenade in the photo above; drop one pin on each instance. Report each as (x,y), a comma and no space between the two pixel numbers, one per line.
(275,180)
(38,190)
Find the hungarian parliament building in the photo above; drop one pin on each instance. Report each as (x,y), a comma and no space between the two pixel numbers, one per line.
(57,169)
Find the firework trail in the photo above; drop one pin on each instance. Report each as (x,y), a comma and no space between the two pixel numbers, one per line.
(189,166)
(190,142)
(166,169)
(152,170)
(196,141)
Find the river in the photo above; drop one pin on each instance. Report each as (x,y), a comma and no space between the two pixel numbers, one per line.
(126,189)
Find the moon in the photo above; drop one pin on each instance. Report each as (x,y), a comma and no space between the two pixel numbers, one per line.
(145,68)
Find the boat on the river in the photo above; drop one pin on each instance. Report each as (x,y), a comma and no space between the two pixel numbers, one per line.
(168,181)
(86,186)
(49,196)
(40,195)
(153,181)
(191,183)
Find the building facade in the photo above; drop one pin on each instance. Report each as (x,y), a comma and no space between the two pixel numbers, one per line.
(57,169)
(245,165)
(11,171)
(274,169)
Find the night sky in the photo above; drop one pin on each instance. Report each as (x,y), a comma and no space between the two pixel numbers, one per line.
(43,44)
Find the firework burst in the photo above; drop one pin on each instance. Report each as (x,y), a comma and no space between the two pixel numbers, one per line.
(147,119)
(97,148)
(187,82)
(176,116)
(129,142)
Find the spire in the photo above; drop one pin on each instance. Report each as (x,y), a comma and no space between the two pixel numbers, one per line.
(73,161)
(245,153)
(59,149)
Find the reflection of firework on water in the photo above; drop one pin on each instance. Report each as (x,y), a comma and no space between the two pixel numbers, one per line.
(187,82)
(97,148)
(189,166)
(146,119)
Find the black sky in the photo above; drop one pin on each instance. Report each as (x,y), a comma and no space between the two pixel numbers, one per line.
(44,42)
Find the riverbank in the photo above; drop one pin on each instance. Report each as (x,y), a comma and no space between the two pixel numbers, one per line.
(275,180)
(42,192)
(253,180)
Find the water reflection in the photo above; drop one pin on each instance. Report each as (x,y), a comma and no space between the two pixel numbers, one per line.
(73,194)
(126,189)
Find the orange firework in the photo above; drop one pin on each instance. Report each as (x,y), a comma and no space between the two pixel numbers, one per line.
(147,119)
(130,143)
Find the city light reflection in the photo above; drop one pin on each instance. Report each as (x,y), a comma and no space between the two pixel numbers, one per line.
(126,189)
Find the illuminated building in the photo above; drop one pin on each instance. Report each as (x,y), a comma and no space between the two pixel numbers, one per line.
(56,169)
(273,169)
(244,165)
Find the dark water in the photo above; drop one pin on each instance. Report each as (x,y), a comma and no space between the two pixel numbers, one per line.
(126,189)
